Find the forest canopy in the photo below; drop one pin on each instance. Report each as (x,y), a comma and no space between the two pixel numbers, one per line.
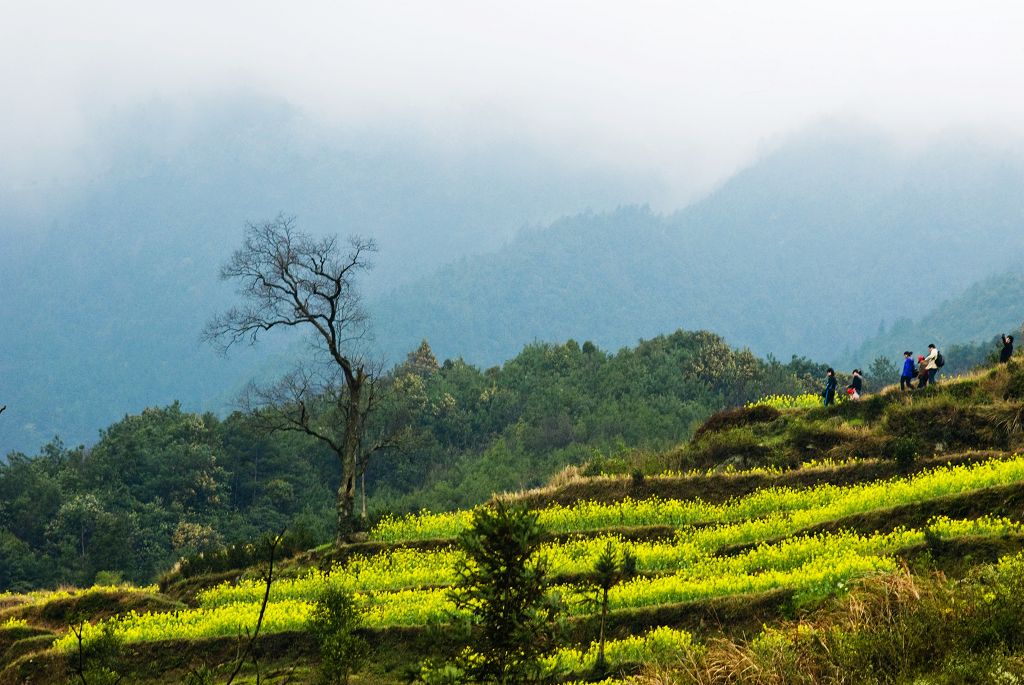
(167,483)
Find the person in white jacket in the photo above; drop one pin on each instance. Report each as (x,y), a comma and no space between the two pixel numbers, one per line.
(932,361)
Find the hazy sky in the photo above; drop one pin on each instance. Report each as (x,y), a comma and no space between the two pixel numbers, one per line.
(686,89)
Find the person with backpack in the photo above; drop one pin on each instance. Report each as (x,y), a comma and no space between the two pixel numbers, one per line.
(935,362)
(830,387)
(907,375)
(1007,352)
(856,385)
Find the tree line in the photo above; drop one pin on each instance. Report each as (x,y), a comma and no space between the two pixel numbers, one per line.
(168,483)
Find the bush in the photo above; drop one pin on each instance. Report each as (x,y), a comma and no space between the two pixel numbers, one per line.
(238,556)
(964,391)
(896,628)
(870,409)
(861,447)
(97,661)
(1006,418)
(905,451)
(108,578)
(1015,381)
(814,439)
(333,623)
(736,418)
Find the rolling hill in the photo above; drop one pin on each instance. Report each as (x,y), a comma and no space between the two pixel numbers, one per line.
(893,530)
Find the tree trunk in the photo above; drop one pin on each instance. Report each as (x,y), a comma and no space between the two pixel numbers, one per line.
(362,493)
(349,458)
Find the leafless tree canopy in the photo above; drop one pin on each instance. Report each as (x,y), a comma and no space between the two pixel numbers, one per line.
(288,279)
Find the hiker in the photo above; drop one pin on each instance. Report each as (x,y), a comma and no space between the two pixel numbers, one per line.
(856,385)
(1007,351)
(922,372)
(830,387)
(908,373)
(935,362)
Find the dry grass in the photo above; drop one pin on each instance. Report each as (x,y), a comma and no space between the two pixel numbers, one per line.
(798,651)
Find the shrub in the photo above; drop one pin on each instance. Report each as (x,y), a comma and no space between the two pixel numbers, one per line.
(1015,382)
(861,447)
(896,628)
(108,578)
(333,624)
(97,660)
(813,439)
(905,451)
(238,556)
(735,418)
(1006,417)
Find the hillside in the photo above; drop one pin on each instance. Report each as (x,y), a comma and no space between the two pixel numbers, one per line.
(807,251)
(790,543)
(978,315)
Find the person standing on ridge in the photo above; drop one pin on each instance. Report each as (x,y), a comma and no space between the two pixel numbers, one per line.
(1007,351)
(922,372)
(935,362)
(830,387)
(907,375)
(856,384)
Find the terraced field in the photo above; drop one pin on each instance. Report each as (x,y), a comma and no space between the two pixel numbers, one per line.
(706,567)
(748,546)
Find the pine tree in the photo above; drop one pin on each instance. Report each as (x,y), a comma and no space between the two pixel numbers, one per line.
(504,584)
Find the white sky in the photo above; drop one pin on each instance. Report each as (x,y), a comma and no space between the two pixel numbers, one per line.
(688,90)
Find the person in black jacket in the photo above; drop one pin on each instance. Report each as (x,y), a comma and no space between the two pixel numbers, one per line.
(856,384)
(830,387)
(1007,351)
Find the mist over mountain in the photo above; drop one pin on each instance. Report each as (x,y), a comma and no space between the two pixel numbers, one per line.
(108,280)
(806,252)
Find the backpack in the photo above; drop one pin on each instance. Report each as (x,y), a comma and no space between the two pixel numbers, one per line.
(940,361)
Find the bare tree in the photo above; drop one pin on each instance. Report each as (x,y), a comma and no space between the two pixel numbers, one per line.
(289,280)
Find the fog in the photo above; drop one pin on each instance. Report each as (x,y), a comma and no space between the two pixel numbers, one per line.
(685,92)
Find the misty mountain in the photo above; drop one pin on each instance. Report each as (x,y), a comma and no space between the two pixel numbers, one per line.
(806,252)
(107,280)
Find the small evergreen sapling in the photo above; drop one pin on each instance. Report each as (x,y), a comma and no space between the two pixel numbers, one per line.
(609,569)
(504,585)
(333,624)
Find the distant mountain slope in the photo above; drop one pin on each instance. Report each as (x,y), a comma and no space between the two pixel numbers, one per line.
(106,285)
(985,310)
(106,282)
(805,252)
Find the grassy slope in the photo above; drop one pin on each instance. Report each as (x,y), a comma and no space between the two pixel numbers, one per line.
(934,427)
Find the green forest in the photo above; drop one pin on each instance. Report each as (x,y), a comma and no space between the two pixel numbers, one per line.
(166,483)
